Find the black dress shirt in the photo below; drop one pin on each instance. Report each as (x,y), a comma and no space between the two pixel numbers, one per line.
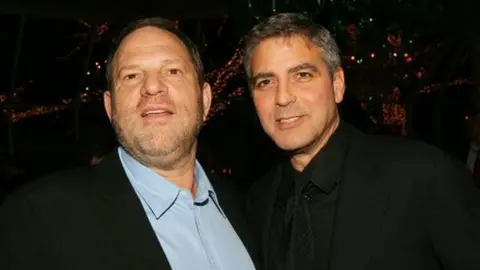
(318,184)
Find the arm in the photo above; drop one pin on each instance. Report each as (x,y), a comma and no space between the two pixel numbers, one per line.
(19,235)
(454,216)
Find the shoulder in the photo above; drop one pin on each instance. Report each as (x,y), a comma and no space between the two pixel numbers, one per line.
(228,193)
(222,184)
(71,181)
(56,187)
(264,184)
(67,178)
(394,144)
(50,195)
(401,151)
(412,160)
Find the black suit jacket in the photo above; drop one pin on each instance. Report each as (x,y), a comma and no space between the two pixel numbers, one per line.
(402,205)
(91,218)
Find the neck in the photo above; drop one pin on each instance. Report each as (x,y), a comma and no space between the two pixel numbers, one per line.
(182,174)
(300,159)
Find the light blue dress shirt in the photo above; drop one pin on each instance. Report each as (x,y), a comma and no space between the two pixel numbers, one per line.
(193,232)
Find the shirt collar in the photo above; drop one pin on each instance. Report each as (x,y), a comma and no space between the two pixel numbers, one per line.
(158,193)
(204,188)
(325,168)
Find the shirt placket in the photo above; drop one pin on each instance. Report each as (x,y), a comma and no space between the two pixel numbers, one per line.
(200,230)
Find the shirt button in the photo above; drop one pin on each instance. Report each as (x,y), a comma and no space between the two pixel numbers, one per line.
(307,197)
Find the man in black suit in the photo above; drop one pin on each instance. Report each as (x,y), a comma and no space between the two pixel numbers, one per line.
(343,200)
(148,205)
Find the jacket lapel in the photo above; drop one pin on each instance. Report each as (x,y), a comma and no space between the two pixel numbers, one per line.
(121,215)
(269,201)
(362,205)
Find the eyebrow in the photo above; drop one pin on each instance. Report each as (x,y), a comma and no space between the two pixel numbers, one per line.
(295,69)
(260,75)
(303,66)
(163,62)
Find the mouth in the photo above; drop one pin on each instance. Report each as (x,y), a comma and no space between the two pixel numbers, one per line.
(288,122)
(156,112)
(157,115)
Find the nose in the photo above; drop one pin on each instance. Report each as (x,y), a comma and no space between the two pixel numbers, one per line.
(153,85)
(284,95)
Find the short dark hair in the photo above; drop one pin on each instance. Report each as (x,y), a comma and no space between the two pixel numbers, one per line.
(292,24)
(162,24)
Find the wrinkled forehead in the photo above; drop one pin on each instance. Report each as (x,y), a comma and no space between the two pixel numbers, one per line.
(151,39)
(289,41)
(284,52)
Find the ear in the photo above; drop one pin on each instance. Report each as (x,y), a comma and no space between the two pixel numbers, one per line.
(107,103)
(207,99)
(338,85)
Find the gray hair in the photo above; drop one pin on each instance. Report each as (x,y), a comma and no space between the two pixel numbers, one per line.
(288,25)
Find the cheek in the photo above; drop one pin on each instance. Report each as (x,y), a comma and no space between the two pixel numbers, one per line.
(263,107)
(315,99)
(187,99)
(125,106)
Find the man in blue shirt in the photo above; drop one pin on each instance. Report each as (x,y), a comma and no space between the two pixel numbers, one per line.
(149,205)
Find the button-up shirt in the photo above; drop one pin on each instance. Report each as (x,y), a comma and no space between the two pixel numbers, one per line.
(193,232)
(318,185)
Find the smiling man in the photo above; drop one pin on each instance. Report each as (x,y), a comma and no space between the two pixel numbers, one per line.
(344,200)
(148,205)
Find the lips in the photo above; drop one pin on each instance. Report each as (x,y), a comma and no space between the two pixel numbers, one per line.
(287,120)
(156,111)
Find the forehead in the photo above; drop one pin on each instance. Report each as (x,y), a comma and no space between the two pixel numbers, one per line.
(282,53)
(151,39)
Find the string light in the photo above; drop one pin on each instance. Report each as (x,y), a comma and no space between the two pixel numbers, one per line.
(393,113)
(36,111)
(219,79)
(436,86)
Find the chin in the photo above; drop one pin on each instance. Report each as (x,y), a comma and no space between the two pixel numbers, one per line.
(291,144)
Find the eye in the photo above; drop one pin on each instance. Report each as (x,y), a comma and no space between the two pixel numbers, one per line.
(304,76)
(130,76)
(173,71)
(262,83)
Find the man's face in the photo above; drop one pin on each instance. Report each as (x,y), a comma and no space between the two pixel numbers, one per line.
(294,95)
(156,106)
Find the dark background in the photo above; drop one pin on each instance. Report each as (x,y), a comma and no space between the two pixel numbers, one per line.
(411,70)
